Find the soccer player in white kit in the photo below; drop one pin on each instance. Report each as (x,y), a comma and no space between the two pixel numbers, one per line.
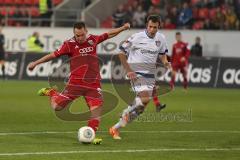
(139,56)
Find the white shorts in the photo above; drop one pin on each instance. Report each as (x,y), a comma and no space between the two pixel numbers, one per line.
(143,84)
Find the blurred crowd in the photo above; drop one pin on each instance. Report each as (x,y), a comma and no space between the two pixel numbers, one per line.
(26,12)
(182,14)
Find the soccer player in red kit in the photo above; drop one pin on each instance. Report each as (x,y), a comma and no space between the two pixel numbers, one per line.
(179,60)
(85,77)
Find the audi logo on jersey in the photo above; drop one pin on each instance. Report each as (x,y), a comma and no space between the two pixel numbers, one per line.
(86,50)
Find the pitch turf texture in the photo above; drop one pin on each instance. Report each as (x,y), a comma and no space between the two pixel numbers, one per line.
(203,124)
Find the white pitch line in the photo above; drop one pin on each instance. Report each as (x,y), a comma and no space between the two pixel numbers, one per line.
(70,132)
(32,133)
(123,151)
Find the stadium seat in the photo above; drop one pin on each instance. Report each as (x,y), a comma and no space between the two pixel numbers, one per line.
(56,2)
(197,25)
(212,13)
(34,12)
(23,11)
(2,1)
(19,2)
(203,13)
(9,2)
(3,11)
(12,10)
(195,13)
(107,23)
(194,2)
(156,2)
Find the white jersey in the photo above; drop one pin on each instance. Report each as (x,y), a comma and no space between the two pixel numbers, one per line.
(143,51)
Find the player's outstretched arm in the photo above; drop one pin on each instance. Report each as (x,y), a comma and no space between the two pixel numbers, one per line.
(116,31)
(46,58)
(130,73)
(165,62)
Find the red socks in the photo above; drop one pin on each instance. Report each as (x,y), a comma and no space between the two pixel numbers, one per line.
(94,124)
(156,101)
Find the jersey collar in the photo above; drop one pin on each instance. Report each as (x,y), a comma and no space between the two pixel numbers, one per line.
(148,34)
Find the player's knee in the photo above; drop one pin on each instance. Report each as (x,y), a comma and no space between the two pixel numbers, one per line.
(140,110)
(145,100)
(56,106)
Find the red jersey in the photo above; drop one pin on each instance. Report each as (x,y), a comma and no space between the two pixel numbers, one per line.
(84,62)
(180,49)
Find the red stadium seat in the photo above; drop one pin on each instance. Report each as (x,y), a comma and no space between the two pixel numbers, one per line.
(36,2)
(156,2)
(107,23)
(34,11)
(12,10)
(30,2)
(23,11)
(56,2)
(194,2)
(2,1)
(19,2)
(203,13)
(212,13)
(9,2)
(26,2)
(195,13)
(3,11)
(197,25)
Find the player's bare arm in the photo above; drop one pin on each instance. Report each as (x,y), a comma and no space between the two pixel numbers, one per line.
(116,31)
(46,58)
(165,62)
(130,73)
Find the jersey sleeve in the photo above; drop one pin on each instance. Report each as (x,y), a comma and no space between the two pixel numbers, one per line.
(187,50)
(126,45)
(164,47)
(63,50)
(101,38)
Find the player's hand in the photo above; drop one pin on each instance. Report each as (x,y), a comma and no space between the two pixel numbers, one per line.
(31,66)
(132,75)
(183,59)
(126,26)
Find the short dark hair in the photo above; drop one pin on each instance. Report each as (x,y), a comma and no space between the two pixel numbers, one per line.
(154,19)
(178,33)
(198,38)
(79,25)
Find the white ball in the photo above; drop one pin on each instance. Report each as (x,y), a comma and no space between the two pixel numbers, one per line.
(86,134)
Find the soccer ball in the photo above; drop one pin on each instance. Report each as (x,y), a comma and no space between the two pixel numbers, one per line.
(86,134)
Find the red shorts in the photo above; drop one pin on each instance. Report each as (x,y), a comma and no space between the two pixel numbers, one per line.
(92,95)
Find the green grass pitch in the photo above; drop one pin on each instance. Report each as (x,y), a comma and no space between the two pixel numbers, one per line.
(210,130)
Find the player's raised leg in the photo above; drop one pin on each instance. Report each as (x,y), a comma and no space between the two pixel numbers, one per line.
(58,100)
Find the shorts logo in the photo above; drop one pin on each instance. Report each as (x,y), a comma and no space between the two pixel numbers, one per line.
(158,43)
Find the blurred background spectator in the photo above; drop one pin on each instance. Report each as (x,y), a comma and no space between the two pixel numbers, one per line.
(184,14)
(196,49)
(45,8)
(120,16)
(175,14)
(139,17)
(34,43)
